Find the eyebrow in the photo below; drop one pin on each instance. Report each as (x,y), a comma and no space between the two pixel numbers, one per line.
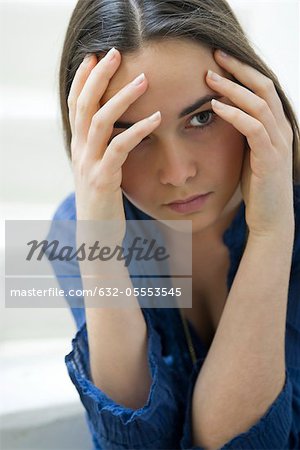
(189,109)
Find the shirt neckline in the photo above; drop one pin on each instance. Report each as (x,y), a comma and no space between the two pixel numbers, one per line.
(233,237)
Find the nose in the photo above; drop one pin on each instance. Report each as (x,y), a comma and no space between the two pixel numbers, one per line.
(176,166)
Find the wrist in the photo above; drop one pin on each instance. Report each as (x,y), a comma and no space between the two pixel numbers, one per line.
(283,230)
(283,237)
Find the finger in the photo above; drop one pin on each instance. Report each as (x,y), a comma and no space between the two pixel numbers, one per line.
(248,102)
(79,79)
(259,84)
(93,90)
(121,145)
(103,121)
(256,134)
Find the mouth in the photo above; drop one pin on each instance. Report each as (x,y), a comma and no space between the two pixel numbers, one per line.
(187,200)
(190,204)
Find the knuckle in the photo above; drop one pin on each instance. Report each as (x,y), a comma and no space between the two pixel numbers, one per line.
(235,114)
(232,85)
(82,105)
(262,106)
(95,182)
(98,122)
(256,128)
(267,84)
(118,143)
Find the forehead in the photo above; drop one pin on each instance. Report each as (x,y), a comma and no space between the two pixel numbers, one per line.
(175,71)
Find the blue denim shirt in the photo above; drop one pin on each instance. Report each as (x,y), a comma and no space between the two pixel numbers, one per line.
(164,422)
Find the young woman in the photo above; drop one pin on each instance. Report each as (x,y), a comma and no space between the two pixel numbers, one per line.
(215,127)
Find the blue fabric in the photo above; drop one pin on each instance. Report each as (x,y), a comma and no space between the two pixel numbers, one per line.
(164,422)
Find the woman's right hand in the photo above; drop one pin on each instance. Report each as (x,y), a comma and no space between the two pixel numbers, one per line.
(97,166)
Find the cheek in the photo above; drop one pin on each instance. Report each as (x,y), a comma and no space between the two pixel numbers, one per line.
(223,161)
(231,155)
(133,176)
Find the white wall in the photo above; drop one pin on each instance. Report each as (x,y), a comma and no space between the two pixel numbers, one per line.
(36,169)
(273,28)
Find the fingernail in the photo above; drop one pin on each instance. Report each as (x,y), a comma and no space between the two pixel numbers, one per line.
(138,80)
(87,59)
(223,54)
(111,54)
(214,76)
(218,105)
(155,116)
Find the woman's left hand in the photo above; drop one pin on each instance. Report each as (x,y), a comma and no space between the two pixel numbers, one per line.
(267,173)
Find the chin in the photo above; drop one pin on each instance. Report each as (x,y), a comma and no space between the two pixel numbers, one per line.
(193,224)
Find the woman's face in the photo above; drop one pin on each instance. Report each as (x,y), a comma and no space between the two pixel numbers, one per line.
(185,155)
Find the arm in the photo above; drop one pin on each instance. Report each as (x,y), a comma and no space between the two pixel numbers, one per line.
(117,337)
(156,424)
(245,367)
(117,340)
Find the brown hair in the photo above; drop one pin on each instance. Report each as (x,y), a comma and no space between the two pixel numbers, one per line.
(97,25)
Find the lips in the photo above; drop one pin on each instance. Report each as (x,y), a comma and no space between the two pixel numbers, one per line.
(188,199)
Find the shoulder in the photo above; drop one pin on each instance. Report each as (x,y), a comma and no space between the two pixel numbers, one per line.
(66,210)
(296,190)
(296,249)
(63,223)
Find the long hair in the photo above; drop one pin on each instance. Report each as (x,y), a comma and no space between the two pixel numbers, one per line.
(97,25)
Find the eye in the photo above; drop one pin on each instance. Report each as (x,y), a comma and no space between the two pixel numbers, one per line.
(203,119)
